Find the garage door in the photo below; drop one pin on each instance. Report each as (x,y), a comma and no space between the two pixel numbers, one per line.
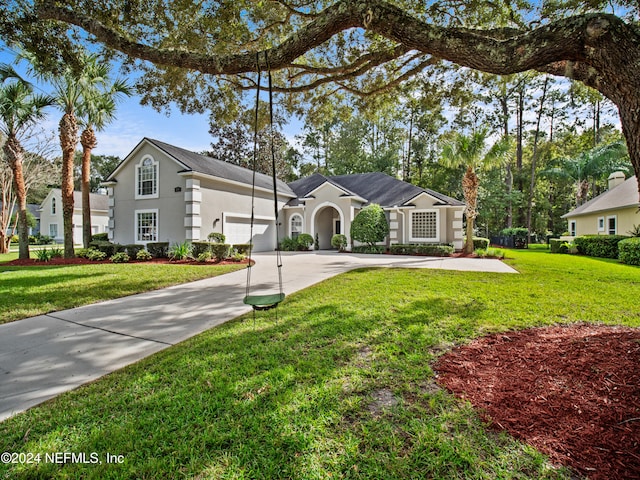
(238,230)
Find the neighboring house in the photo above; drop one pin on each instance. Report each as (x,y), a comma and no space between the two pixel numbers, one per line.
(51,220)
(35,211)
(614,212)
(162,193)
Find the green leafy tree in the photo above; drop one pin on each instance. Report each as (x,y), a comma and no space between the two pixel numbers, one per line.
(370,225)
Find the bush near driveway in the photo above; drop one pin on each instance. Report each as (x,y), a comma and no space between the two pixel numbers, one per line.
(603,246)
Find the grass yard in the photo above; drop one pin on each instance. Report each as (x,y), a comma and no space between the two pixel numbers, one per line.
(30,291)
(340,387)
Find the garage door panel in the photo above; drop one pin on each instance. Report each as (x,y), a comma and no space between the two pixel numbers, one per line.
(238,231)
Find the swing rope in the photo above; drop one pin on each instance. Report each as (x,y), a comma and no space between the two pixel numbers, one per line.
(264,302)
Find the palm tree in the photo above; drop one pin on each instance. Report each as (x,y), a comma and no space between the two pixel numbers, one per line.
(96,111)
(20,108)
(69,87)
(470,152)
(589,166)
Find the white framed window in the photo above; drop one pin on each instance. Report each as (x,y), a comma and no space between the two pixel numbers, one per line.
(147,178)
(572,228)
(601,224)
(53,230)
(146,226)
(425,226)
(296,225)
(53,205)
(612,225)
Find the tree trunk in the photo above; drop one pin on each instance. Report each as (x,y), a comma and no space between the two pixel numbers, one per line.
(14,153)
(89,142)
(534,157)
(470,183)
(68,141)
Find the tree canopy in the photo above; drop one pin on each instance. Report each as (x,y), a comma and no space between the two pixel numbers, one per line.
(203,55)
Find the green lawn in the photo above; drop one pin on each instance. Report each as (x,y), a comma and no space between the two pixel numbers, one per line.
(29,291)
(340,387)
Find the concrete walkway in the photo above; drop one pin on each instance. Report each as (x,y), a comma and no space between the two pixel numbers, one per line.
(41,357)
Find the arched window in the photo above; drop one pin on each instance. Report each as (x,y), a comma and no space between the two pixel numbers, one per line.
(296,225)
(147,178)
(53,205)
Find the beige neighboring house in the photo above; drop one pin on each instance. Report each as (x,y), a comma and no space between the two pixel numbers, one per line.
(163,193)
(51,221)
(614,212)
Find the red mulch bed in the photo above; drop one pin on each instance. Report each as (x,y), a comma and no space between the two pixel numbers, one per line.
(572,392)
(32,262)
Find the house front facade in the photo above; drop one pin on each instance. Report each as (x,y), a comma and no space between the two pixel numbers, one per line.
(163,193)
(614,212)
(52,222)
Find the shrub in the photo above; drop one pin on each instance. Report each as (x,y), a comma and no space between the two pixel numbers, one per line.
(490,253)
(132,249)
(95,255)
(479,243)
(56,252)
(629,251)
(242,248)
(82,252)
(558,246)
(220,251)
(304,241)
(198,248)
(288,244)
(32,239)
(120,257)
(368,249)
(43,255)
(435,250)
(180,251)
(370,225)
(604,246)
(143,255)
(216,237)
(237,256)
(108,248)
(339,241)
(101,237)
(204,256)
(158,249)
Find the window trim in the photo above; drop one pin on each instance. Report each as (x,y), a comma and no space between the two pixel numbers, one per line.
(615,229)
(425,239)
(139,166)
(136,225)
(53,205)
(294,216)
(57,230)
(601,224)
(573,228)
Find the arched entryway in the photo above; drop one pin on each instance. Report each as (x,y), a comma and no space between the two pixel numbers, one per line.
(327,220)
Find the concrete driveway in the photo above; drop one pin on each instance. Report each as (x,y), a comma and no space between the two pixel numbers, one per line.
(41,357)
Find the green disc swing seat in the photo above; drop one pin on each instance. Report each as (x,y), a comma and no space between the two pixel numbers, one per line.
(272,300)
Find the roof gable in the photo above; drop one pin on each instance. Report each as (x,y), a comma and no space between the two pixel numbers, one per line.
(624,195)
(201,164)
(96,200)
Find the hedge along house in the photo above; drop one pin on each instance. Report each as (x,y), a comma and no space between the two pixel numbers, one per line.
(325,206)
(52,221)
(614,212)
(162,193)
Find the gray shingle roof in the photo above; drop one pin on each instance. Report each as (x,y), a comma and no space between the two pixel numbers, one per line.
(376,187)
(195,162)
(624,195)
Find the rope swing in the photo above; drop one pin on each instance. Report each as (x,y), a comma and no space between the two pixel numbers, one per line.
(269,301)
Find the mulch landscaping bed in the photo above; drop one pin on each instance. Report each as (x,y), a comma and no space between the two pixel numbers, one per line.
(572,392)
(32,262)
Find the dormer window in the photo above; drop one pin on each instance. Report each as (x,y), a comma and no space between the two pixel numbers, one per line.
(147,178)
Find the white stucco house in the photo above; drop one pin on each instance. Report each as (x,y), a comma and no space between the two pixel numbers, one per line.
(51,220)
(163,193)
(614,212)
